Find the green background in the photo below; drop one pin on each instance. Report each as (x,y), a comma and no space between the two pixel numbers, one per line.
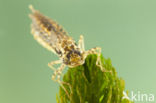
(124,29)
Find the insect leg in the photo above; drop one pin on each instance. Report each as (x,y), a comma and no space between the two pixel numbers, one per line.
(81,43)
(57,73)
(97,51)
(53,63)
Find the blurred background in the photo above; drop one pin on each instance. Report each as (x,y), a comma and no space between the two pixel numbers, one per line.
(124,29)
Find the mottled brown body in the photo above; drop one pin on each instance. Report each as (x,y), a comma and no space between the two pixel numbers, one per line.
(52,36)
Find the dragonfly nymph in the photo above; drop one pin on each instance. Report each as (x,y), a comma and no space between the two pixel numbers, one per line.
(52,36)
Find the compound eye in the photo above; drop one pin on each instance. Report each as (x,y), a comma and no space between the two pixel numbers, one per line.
(77,52)
(69,55)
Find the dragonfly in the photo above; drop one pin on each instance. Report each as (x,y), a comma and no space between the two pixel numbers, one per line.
(52,36)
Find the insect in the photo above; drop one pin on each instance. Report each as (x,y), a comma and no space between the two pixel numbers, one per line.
(52,36)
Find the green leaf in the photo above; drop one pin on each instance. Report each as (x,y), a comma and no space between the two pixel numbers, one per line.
(90,85)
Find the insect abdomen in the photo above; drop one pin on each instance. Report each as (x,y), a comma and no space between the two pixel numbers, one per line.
(47,32)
